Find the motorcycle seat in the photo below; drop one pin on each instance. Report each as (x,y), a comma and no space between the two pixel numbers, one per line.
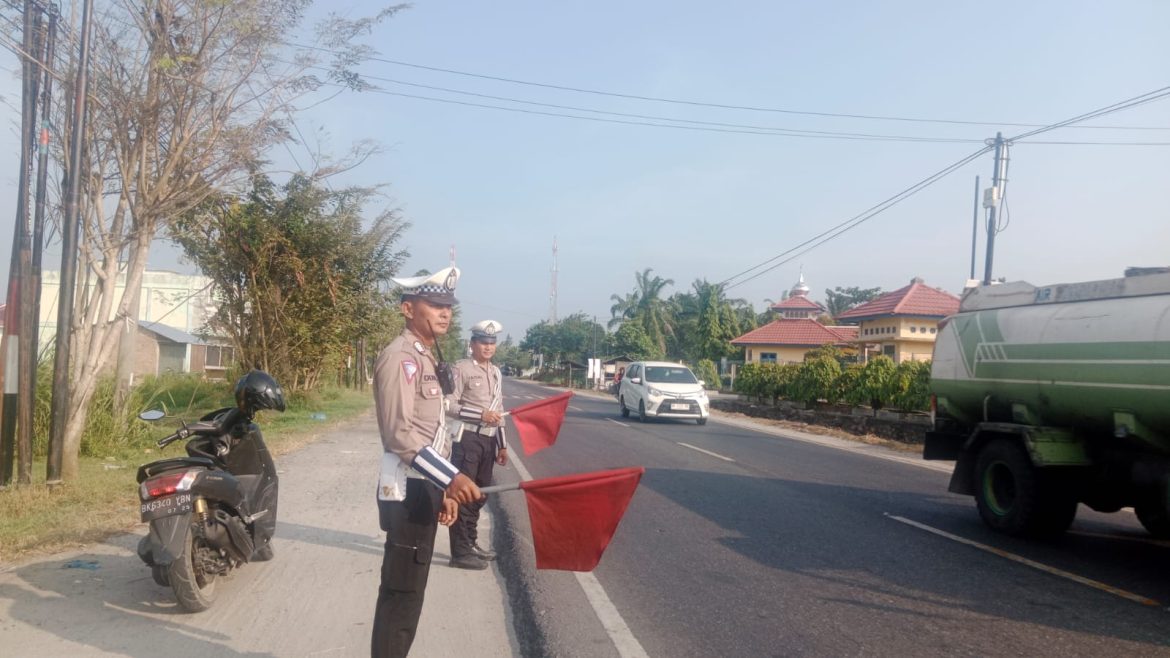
(163,465)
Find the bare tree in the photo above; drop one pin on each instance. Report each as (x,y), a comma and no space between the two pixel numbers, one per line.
(186,98)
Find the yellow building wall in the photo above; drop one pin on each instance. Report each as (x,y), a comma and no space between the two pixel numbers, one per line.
(912,337)
(784,353)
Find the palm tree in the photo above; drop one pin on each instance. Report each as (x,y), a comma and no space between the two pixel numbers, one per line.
(623,308)
(652,310)
(646,307)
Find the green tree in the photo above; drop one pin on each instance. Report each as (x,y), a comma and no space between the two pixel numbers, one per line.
(296,275)
(839,300)
(187,97)
(816,380)
(646,306)
(875,386)
(573,338)
(912,385)
(509,354)
(705,370)
(631,340)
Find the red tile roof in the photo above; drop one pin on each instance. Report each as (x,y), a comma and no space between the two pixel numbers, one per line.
(797,302)
(846,333)
(916,299)
(797,332)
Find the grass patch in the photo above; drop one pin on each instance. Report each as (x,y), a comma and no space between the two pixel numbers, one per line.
(104,501)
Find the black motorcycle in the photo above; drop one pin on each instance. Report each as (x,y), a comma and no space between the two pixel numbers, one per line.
(215,509)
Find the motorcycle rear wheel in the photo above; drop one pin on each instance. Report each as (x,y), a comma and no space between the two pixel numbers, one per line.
(194,589)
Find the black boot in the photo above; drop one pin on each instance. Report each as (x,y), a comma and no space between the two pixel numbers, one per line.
(485,554)
(471,561)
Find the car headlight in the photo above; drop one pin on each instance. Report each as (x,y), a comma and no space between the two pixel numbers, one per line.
(702,395)
(654,393)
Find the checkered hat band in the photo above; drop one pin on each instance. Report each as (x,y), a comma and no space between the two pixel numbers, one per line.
(426,289)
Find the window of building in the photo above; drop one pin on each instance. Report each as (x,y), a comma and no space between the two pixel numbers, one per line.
(219,356)
(913,330)
(888,350)
(933,330)
(767,357)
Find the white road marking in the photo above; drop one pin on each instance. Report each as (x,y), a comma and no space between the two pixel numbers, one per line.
(574,408)
(619,632)
(1136,598)
(617,422)
(706,452)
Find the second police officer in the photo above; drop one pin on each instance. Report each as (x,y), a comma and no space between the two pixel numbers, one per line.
(478,403)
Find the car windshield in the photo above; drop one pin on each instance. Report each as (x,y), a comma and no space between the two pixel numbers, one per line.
(670,375)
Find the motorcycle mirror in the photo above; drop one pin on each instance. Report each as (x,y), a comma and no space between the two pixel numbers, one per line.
(152,414)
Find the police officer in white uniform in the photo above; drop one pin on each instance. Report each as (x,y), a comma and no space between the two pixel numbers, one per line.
(477,403)
(417,487)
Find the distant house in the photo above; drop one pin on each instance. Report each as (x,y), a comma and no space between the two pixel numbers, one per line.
(160,349)
(795,333)
(787,341)
(902,324)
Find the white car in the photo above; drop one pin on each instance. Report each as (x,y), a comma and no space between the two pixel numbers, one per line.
(657,389)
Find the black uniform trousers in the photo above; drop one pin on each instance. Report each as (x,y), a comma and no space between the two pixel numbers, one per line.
(474,455)
(406,562)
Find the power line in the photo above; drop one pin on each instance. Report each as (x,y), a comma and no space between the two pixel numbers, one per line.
(664,125)
(779,130)
(873,211)
(851,223)
(724,106)
(1140,99)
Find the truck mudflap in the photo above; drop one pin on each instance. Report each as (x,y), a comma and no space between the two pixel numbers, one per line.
(943,445)
(164,543)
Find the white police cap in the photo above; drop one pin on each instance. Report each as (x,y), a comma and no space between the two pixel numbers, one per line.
(486,331)
(438,288)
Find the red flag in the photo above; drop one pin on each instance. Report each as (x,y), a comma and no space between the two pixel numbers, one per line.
(574,516)
(538,422)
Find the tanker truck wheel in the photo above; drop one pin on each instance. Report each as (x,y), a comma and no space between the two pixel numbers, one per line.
(1153,511)
(1016,498)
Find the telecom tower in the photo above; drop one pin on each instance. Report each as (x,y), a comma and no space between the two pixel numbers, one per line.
(552,295)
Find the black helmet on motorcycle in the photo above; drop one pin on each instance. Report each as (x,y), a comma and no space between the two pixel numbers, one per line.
(258,390)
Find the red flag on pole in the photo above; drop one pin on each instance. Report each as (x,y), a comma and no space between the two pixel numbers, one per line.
(538,422)
(574,516)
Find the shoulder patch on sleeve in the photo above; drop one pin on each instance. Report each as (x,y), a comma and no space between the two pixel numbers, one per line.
(410,369)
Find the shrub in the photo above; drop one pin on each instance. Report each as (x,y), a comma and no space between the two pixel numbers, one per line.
(705,370)
(815,380)
(876,384)
(847,385)
(912,383)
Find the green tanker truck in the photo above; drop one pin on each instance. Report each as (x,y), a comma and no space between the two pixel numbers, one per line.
(1050,396)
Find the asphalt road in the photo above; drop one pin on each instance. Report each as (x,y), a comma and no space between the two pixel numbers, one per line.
(770,546)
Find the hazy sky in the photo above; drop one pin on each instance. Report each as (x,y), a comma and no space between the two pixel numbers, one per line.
(701,204)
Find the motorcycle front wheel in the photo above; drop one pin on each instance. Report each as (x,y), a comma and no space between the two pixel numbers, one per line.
(194,589)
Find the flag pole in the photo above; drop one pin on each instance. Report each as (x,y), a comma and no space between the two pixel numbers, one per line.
(496,488)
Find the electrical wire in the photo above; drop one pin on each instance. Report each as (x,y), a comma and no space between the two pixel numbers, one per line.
(663,125)
(1140,99)
(849,224)
(648,117)
(724,106)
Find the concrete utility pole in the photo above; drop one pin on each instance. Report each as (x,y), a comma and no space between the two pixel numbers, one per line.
(19,353)
(991,200)
(69,237)
(974,228)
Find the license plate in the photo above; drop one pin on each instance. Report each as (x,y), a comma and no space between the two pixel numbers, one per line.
(675,406)
(166,506)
